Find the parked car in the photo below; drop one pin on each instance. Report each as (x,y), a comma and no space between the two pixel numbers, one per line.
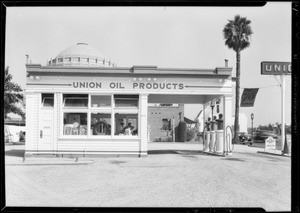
(245,138)
(262,135)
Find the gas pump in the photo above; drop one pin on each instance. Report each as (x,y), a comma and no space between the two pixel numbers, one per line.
(207,135)
(219,134)
(213,134)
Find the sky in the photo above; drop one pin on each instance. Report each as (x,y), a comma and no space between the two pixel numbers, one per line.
(166,37)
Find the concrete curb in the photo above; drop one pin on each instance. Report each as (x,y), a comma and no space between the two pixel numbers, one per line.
(49,164)
(55,161)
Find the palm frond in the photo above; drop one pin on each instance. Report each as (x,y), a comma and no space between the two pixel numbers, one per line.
(237,33)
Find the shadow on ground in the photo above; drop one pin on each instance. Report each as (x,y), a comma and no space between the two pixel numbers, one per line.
(15,153)
(172,151)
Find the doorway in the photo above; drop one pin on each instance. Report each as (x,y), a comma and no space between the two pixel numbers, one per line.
(46,121)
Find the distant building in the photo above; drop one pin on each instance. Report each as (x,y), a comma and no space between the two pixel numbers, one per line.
(162,119)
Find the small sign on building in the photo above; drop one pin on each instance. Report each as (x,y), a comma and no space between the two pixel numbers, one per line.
(270,143)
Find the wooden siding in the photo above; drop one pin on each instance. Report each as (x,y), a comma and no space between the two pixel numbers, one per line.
(105,145)
(32,109)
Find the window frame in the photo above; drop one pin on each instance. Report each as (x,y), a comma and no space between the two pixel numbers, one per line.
(101,108)
(169,124)
(77,107)
(130,113)
(92,133)
(106,110)
(67,109)
(63,125)
(126,107)
(43,101)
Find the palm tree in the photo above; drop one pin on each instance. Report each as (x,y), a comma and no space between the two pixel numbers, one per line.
(237,37)
(12,96)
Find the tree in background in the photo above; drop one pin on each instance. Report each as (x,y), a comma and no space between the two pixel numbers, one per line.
(12,96)
(237,37)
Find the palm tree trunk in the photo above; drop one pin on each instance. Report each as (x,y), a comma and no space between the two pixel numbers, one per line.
(237,99)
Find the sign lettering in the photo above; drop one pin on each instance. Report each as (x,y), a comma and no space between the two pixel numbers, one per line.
(134,85)
(87,84)
(157,86)
(276,68)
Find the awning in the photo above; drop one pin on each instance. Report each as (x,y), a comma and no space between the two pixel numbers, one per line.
(188,121)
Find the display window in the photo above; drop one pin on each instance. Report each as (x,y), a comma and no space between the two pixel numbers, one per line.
(105,115)
(75,124)
(100,124)
(126,124)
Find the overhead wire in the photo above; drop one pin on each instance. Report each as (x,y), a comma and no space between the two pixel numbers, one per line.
(277,85)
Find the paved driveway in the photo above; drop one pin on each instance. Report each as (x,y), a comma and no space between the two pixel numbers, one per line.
(172,175)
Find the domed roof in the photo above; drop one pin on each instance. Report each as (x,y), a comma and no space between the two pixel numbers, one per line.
(80,49)
(81,55)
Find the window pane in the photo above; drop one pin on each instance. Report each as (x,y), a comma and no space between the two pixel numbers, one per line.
(101,101)
(126,124)
(75,123)
(166,124)
(47,100)
(68,59)
(75,100)
(84,60)
(100,124)
(126,100)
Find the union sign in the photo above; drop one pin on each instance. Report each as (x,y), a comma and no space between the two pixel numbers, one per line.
(275,68)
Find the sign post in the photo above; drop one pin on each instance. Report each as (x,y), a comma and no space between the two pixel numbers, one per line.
(282,111)
(252,117)
(283,69)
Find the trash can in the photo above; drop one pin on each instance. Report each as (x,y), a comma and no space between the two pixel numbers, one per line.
(219,142)
(212,141)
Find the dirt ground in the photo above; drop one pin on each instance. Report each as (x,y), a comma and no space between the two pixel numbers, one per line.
(172,175)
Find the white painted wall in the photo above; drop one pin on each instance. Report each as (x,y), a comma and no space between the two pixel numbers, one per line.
(32,121)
